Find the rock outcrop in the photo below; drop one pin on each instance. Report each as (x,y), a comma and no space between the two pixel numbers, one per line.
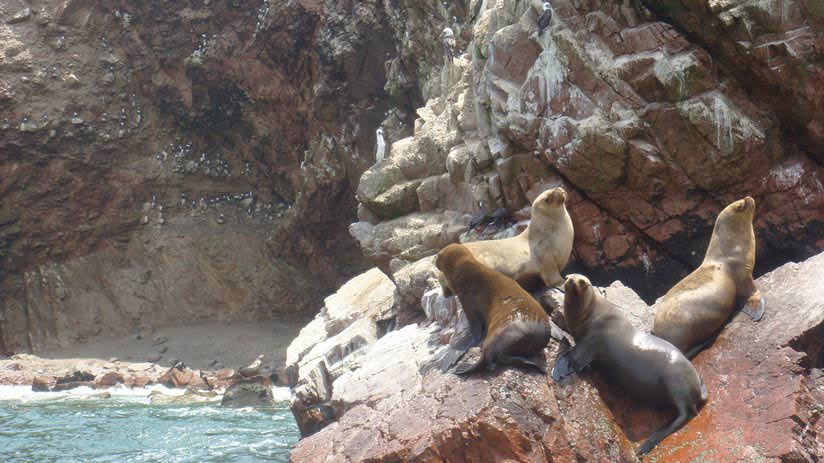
(764,381)
(649,132)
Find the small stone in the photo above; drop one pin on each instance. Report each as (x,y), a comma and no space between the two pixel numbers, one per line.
(72,81)
(154,357)
(41,384)
(20,16)
(146,330)
(59,43)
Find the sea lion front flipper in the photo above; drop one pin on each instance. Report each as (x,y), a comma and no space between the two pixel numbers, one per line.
(552,279)
(572,361)
(660,434)
(754,306)
(456,349)
(445,289)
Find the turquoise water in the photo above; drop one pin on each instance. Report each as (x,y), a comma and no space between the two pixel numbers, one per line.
(55,427)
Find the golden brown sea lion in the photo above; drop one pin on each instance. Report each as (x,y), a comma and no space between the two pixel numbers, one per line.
(514,327)
(646,366)
(695,309)
(540,251)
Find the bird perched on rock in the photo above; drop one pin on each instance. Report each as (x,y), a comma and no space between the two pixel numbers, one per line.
(545,19)
(448,43)
(253,369)
(380,145)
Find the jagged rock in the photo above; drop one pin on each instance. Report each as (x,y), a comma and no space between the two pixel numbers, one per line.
(248,393)
(647,137)
(350,320)
(73,380)
(109,379)
(767,372)
(20,16)
(183,378)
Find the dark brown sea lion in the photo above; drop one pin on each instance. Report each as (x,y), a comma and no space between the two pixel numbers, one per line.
(695,309)
(514,327)
(539,252)
(648,367)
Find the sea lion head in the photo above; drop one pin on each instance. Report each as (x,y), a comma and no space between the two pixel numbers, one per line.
(451,257)
(733,236)
(578,303)
(550,202)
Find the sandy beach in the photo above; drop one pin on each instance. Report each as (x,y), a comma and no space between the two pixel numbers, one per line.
(208,347)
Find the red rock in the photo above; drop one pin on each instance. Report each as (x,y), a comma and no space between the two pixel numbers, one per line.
(42,383)
(182,378)
(766,393)
(108,379)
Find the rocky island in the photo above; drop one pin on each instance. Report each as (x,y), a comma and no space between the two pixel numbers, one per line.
(173,164)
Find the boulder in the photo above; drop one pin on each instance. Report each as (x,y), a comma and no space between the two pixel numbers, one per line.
(108,379)
(248,393)
(182,378)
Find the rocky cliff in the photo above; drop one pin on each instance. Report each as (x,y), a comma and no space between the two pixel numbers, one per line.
(653,123)
(170,162)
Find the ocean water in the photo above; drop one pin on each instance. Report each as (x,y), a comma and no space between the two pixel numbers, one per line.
(74,426)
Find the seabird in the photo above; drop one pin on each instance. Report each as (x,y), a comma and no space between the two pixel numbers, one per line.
(448,43)
(545,19)
(479,218)
(380,145)
(253,369)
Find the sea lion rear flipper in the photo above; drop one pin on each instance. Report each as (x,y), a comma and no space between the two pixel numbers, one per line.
(660,434)
(523,361)
(754,307)
(572,361)
(467,368)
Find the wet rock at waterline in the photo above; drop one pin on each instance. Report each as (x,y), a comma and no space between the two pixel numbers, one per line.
(248,393)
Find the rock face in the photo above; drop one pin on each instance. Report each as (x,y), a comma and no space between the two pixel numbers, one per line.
(648,132)
(764,381)
(165,162)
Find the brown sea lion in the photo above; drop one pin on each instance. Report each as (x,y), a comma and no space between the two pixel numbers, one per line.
(648,367)
(540,251)
(514,327)
(694,310)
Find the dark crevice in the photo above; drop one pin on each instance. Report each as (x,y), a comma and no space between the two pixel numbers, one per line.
(643,286)
(811,344)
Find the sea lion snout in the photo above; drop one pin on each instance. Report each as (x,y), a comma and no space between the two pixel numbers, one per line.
(745,204)
(576,284)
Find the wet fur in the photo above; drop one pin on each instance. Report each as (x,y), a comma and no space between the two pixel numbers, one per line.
(512,326)
(648,367)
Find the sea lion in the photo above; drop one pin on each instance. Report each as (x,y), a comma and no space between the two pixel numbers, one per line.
(646,366)
(514,327)
(693,311)
(540,251)
(253,369)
